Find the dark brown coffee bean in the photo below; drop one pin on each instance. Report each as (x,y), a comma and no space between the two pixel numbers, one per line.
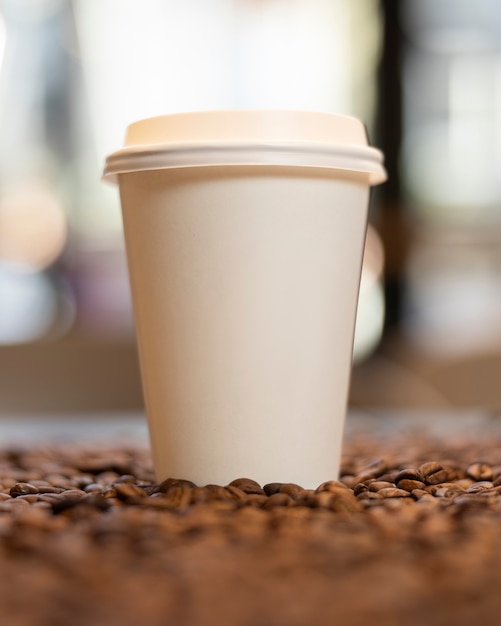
(349,480)
(216,493)
(65,503)
(369,495)
(389,477)
(22,489)
(332,486)
(442,488)
(393,492)
(479,472)
(446,492)
(344,502)
(271,488)
(292,490)
(322,500)
(365,477)
(429,468)
(277,500)
(377,485)
(197,495)
(96,501)
(174,482)
(256,499)
(248,486)
(480,486)
(360,488)
(126,478)
(178,497)
(434,473)
(127,492)
(30,498)
(409,474)
(49,489)
(235,493)
(94,488)
(409,485)
(375,468)
(12,503)
(417,494)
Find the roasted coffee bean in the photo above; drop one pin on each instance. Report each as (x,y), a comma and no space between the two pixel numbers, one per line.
(439,477)
(292,490)
(417,494)
(271,488)
(434,473)
(126,491)
(126,478)
(277,500)
(360,488)
(409,485)
(235,493)
(322,499)
(30,498)
(429,468)
(49,489)
(409,474)
(248,486)
(22,489)
(434,489)
(217,493)
(446,492)
(256,499)
(197,495)
(369,495)
(333,486)
(480,486)
(344,502)
(12,503)
(393,492)
(375,468)
(349,480)
(94,488)
(388,477)
(65,503)
(365,477)
(377,485)
(96,501)
(479,472)
(174,482)
(178,497)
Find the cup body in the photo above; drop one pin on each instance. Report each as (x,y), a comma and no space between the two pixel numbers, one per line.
(244,234)
(245,283)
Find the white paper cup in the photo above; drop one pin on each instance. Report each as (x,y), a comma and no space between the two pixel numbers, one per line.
(244,234)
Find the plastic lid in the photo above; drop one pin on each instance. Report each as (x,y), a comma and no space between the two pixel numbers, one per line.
(247,137)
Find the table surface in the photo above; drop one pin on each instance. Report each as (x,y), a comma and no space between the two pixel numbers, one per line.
(87,537)
(28,428)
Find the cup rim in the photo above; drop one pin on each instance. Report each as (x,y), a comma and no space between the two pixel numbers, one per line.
(365,160)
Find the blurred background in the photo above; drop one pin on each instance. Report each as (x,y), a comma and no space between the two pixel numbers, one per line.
(425,76)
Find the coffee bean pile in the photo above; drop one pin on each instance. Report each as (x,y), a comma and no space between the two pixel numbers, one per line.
(409,534)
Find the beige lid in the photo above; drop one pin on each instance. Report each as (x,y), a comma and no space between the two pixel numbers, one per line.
(247,137)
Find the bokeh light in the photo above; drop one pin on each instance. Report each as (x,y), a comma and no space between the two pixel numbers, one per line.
(33,228)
